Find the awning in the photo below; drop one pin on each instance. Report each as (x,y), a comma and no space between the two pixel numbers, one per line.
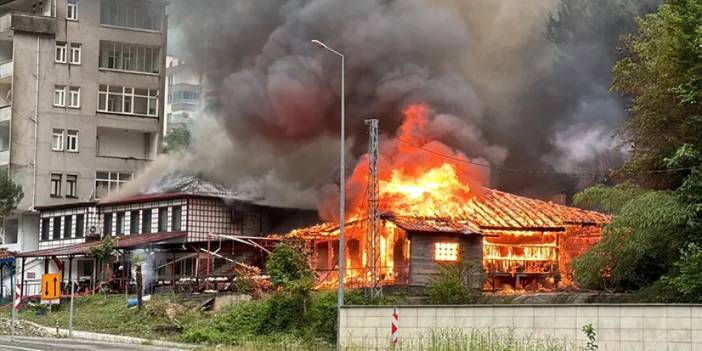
(121,242)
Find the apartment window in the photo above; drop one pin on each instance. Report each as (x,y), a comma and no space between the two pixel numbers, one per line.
(44,229)
(60,96)
(132,14)
(107,182)
(128,100)
(57,140)
(177,218)
(120,223)
(72,141)
(74,97)
(56,228)
(72,10)
(80,225)
(446,252)
(56,184)
(107,224)
(67,227)
(134,222)
(163,219)
(130,57)
(184,97)
(75,53)
(72,185)
(146,221)
(61,48)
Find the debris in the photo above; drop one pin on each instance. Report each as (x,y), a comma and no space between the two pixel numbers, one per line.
(23,328)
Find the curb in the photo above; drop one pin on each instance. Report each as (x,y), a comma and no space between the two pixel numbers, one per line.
(77,334)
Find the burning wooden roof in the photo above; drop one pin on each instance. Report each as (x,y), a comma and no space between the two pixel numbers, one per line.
(493,210)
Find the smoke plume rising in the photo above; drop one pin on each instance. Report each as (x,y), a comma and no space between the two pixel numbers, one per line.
(508,82)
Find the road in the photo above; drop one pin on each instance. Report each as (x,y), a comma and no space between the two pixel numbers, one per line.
(52,344)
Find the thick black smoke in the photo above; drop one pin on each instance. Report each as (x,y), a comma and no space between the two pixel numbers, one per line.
(519,82)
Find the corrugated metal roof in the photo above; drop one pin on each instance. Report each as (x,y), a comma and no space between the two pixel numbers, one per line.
(123,242)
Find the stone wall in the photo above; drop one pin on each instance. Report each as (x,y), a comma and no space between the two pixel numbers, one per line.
(619,327)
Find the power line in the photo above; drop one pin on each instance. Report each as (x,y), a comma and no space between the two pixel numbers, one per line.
(523,171)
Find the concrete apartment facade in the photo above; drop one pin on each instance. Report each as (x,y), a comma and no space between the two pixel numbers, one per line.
(81,109)
(184,83)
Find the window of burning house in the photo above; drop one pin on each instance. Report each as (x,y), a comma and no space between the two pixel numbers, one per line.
(146,221)
(45,229)
(80,225)
(128,100)
(163,219)
(85,269)
(446,252)
(177,219)
(131,14)
(134,222)
(130,57)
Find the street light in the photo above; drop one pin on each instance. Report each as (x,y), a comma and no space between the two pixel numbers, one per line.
(342,189)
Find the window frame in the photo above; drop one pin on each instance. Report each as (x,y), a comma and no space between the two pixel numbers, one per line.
(56,230)
(45,223)
(71,10)
(146,220)
(73,92)
(67,227)
(177,218)
(114,178)
(59,90)
(61,52)
(163,219)
(72,186)
(80,225)
(134,222)
(107,227)
(56,180)
(69,137)
(75,48)
(445,251)
(58,137)
(120,223)
(127,93)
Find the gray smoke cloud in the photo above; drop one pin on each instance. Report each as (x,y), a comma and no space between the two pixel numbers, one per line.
(508,80)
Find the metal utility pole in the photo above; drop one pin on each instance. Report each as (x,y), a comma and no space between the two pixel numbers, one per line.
(373,238)
(342,186)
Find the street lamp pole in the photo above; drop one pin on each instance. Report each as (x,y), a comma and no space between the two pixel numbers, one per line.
(342,188)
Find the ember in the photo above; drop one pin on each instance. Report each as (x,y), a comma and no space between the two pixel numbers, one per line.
(429,191)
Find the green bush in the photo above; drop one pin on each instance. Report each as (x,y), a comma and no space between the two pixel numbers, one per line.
(687,278)
(288,268)
(232,324)
(454,286)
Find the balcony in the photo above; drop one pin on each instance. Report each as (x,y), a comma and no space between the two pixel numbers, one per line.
(6,70)
(5,113)
(27,22)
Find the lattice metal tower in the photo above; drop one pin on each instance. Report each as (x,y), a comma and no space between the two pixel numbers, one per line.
(373,237)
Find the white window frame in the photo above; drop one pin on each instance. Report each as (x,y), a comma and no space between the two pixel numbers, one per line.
(57,138)
(72,10)
(56,184)
(60,54)
(129,57)
(72,138)
(446,251)
(60,96)
(74,97)
(72,185)
(114,180)
(129,93)
(75,57)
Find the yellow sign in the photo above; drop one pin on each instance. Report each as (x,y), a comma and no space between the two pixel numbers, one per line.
(51,286)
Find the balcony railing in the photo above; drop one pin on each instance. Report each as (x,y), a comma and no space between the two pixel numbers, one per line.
(27,22)
(5,113)
(7,69)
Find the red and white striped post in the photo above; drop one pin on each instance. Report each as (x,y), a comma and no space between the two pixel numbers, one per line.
(18,296)
(395,328)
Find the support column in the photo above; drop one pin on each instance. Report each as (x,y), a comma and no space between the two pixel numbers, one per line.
(46,266)
(22,279)
(70,270)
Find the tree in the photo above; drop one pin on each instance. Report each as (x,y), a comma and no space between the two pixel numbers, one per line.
(177,140)
(662,74)
(287,267)
(10,195)
(454,285)
(687,278)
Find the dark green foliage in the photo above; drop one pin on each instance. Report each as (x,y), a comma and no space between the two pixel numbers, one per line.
(10,195)
(662,73)
(453,286)
(607,199)
(639,246)
(105,249)
(591,336)
(288,268)
(687,276)
(177,140)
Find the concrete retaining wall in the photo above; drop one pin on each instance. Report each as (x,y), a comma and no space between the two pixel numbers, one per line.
(619,327)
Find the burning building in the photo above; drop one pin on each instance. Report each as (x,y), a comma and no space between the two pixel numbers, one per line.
(434,209)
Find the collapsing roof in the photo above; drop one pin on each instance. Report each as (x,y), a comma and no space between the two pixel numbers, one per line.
(493,210)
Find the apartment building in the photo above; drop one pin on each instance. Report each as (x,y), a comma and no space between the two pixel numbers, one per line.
(184,83)
(81,108)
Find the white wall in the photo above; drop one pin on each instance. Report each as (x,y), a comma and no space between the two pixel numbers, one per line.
(619,327)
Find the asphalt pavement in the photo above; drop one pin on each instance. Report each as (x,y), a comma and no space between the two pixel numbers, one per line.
(56,344)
